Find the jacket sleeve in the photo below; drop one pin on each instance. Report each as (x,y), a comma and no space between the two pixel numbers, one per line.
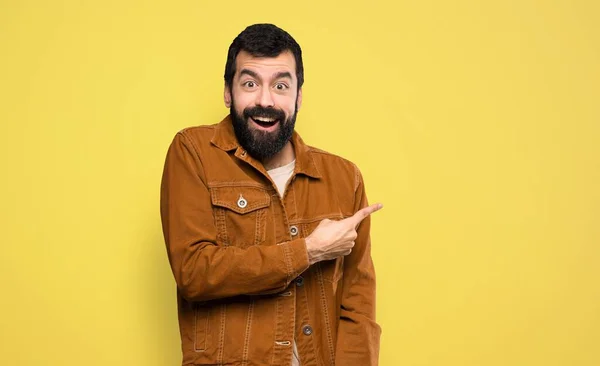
(203,270)
(358,333)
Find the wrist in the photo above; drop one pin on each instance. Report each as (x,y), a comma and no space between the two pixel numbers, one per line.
(309,250)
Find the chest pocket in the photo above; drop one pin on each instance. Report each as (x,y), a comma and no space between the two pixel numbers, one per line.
(240,214)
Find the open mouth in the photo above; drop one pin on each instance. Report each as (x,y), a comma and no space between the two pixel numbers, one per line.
(264,122)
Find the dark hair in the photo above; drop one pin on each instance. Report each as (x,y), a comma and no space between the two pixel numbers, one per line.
(263,40)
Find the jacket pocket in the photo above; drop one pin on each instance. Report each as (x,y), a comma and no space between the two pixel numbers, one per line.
(201,327)
(240,214)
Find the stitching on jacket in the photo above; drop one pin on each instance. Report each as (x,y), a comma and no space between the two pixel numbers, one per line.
(259,229)
(274,231)
(222,334)
(288,262)
(316,150)
(235,183)
(245,210)
(295,204)
(276,332)
(356,177)
(194,146)
(264,201)
(222,225)
(247,337)
(331,216)
(326,313)
(306,319)
(197,347)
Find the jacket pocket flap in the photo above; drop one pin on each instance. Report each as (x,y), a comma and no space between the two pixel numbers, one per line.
(240,199)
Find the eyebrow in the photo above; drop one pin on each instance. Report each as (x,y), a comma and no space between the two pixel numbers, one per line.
(249,72)
(279,75)
(283,74)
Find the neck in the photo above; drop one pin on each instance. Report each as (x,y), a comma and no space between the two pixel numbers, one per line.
(283,157)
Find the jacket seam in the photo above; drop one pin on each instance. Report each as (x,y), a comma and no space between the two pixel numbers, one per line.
(333,216)
(288,262)
(245,184)
(357,177)
(248,330)
(326,314)
(222,334)
(193,145)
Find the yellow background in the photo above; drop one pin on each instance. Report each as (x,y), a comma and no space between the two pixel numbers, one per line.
(476,123)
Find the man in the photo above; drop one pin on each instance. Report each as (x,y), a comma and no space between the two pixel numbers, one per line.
(268,238)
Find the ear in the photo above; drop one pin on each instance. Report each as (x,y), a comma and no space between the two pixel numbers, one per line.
(227,96)
(299,98)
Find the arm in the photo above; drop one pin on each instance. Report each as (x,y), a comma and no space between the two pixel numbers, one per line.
(358,333)
(202,269)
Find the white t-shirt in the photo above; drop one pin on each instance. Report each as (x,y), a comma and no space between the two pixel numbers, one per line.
(281,176)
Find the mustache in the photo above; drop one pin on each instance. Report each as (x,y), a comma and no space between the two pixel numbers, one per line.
(258,111)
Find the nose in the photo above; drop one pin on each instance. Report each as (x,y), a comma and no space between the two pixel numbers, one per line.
(264,98)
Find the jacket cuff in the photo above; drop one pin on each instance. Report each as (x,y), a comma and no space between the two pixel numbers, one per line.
(295,257)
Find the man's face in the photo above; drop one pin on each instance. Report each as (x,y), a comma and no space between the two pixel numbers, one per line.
(264,100)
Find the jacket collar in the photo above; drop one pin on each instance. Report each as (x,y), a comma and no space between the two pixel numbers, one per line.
(225,139)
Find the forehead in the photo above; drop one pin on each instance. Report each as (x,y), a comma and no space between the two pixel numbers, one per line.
(266,66)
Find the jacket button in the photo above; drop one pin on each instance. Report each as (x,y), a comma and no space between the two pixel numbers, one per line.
(307,330)
(299,281)
(294,230)
(242,203)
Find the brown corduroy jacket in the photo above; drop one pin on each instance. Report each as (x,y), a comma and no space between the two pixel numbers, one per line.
(238,254)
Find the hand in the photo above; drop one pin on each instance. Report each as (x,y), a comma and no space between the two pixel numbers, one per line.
(332,239)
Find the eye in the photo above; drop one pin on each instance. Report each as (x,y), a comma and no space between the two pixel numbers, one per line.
(281,86)
(249,84)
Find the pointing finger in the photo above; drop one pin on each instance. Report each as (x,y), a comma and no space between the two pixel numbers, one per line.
(364,213)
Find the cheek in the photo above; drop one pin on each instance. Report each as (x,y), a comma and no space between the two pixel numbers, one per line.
(239,105)
(240,100)
(288,105)
(292,109)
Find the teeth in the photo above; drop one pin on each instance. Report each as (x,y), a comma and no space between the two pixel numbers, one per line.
(265,120)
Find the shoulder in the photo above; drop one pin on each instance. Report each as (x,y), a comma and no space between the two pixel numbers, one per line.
(335,166)
(201,133)
(196,137)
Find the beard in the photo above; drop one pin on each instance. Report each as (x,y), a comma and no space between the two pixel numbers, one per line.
(262,144)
